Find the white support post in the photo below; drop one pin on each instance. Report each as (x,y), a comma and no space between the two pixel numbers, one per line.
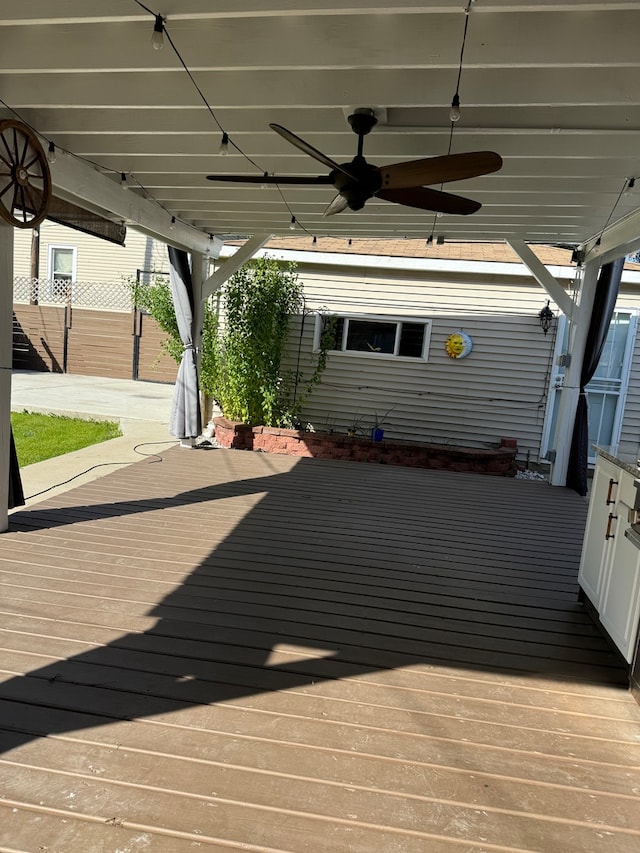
(6,347)
(544,277)
(232,264)
(571,388)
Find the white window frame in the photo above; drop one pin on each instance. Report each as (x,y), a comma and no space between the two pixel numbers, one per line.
(398,319)
(51,277)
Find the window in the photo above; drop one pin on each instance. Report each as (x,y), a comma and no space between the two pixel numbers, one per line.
(62,270)
(375,336)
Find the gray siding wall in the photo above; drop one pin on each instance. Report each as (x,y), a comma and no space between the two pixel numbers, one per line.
(498,391)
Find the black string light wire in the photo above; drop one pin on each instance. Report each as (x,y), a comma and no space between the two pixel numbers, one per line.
(628,183)
(226,141)
(454,112)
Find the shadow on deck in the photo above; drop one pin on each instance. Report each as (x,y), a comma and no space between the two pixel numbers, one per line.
(233,648)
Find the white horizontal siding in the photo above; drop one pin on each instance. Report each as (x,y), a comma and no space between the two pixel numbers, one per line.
(498,391)
(97,260)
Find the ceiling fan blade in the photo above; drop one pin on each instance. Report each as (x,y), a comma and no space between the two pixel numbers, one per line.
(272,179)
(427,199)
(337,206)
(309,149)
(437,170)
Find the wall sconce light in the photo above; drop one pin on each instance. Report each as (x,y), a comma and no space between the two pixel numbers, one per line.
(546,318)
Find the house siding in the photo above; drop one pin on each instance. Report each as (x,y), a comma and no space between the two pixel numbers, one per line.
(498,391)
(97,260)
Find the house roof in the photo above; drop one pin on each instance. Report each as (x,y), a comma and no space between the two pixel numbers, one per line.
(452,251)
(552,87)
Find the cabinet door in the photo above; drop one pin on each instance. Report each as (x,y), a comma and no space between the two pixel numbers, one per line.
(596,545)
(620,608)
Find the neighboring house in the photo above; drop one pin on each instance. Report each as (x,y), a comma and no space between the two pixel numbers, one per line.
(72,304)
(66,256)
(397,303)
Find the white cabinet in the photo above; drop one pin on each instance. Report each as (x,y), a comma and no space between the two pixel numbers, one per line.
(597,542)
(610,563)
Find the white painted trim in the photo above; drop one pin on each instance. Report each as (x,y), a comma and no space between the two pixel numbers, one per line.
(81,184)
(388,262)
(617,241)
(51,247)
(571,389)
(544,278)
(247,251)
(6,347)
(389,318)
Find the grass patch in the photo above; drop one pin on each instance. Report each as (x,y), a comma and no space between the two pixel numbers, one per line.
(39,437)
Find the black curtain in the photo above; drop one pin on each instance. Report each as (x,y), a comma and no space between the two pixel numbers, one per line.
(16,495)
(185,414)
(603,307)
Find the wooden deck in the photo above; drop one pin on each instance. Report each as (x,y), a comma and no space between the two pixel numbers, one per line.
(233,651)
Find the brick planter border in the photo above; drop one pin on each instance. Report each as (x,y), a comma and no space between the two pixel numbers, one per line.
(500,461)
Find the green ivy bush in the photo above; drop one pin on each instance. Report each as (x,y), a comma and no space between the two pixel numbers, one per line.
(244,334)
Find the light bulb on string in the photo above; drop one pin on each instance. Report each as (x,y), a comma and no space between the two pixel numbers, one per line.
(224,145)
(630,185)
(292,224)
(315,241)
(51,153)
(454,112)
(265,184)
(172,227)
(123,181)
(157,37)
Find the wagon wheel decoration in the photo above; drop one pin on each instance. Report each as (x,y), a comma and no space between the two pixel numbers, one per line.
(25,180)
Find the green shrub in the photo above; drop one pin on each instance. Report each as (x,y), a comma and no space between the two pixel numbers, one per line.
(244,334)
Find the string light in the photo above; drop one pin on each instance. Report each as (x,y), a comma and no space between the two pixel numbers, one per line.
(292,224)
(51,153)
(315,241)
(224,144)
(157,37)
(630,185)
(123,180)
(172,227)
(454,112)
(265,184)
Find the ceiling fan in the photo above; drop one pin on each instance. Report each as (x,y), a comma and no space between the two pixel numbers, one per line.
(403,183)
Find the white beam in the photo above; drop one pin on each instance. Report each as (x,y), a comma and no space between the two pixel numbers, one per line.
(6,345)
(78,182)
(244,254)
(571,388)
(620,239)
(544,277)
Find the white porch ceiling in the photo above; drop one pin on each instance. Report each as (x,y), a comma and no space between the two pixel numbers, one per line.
(553,87)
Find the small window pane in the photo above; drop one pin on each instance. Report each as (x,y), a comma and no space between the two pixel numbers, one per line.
(371,336)
(62,263)
(411,339)
(334,326)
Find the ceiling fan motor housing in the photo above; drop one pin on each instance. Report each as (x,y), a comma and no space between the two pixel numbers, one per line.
(366,183)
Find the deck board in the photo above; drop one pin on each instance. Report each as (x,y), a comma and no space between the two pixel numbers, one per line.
(227,650)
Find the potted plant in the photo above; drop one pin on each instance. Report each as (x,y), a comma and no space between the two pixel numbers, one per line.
(377,431)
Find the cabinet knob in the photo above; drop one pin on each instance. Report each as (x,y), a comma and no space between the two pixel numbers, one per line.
(612,483)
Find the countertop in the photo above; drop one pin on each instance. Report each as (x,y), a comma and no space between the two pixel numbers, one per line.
(626,462)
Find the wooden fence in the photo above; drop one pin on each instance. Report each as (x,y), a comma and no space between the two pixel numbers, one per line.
(67,339)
